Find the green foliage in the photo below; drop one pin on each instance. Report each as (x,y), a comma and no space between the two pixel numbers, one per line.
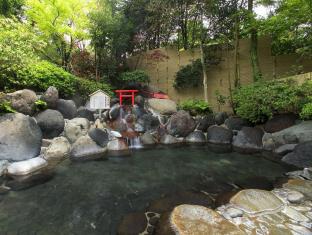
(195,107)
(136,76)
(259,101)
(306,112)
(189,76)
(11,7)
(5,107)
(40,105)
(86,87)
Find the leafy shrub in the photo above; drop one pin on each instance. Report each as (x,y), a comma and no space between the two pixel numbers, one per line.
(306,112)
(259,101)
(189,75)
(5,107)
(136,76)
(40,105)
(195,107)
(42,75)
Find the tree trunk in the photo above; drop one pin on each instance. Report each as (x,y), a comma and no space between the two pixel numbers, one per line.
(256,72)
(236,54)
(202,54)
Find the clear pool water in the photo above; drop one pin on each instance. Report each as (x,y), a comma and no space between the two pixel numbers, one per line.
(92,197)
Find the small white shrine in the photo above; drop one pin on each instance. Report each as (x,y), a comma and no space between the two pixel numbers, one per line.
(99,100)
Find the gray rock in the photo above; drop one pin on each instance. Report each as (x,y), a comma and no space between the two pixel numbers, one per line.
(46,142)
(51,97)
(115,112)
(284,149)
(86,149)
(301,156)
(299,133)
(27,167)
(161,106)
(234,212)
(20,137)
(67,108)
(196,137)
(280,122)
(148,122)
(180,124)
(139,100)
(236,123)
(148,139)
(117,145)
(168,139)
(205,122)
(295,197)
(85,113)
(138,111)
(58,150)
(219,135)
(220,117)
(3,166)
(307,173)
(23,101)
(248,140)
(51,123)
(99,136)
(76,128)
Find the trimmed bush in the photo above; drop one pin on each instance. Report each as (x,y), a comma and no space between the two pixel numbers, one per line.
(43,74)
(306,112)
(195,107)
(136,76)
(189,76)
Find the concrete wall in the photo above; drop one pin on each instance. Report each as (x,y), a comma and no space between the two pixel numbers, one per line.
(221,76)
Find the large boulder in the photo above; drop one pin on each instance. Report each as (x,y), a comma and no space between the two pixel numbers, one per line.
(196,137)
(83,112)
(193,219)
(76,128)
(148,122)
(117,145)
(168,139)
(181,124)
(148,139)
(26,167)
(99,136)
(301,156)
(236,123)
(219,135)
(248,140)
(20,137)
(139,100)
(280,122)
(51,123)
(205,122)
(23,101)
(161,106)
(51,97)
(115,112)
(293,135)
(67,108)
(256,201)
(58,150)
(86,149)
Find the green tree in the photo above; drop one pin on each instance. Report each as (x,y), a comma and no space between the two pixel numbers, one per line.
(11,7)
(64,24)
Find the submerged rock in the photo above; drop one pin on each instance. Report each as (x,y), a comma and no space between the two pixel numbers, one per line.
(199,220)
(26,167)
(196,137)
(219,135)
(162,106)
(301,156)
(20,137)
(133,223)
(86,149)
(51,97)
(180,124)
(284,149)
(280,122)
(248,140)
(67,108)
(76,128)
(51,123)
(253,201)
(23,101)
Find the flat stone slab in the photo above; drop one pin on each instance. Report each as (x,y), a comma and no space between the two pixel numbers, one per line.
(302,186)
(27,167)
(199,220)
(254,201)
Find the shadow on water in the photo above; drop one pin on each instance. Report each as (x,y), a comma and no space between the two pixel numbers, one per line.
(92,197)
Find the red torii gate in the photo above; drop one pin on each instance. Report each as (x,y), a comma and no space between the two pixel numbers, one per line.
(126,94)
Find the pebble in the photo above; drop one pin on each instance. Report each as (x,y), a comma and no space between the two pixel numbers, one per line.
(295,197)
